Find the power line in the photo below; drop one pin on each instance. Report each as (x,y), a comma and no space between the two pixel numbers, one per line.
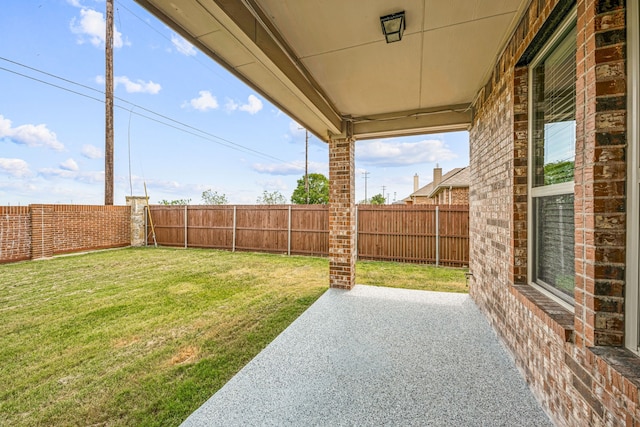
(209,136)
(136,113)
(201,133)
(146,22)
(51,84)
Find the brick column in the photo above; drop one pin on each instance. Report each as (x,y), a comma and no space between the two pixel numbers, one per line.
(41,231)
(137,204)
(600,173)
(518,262)
(342,214)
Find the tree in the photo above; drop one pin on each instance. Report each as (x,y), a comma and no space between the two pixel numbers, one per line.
(378,199)
(557,172)
(176,202)
(271,198)
(210,197)
(318,190)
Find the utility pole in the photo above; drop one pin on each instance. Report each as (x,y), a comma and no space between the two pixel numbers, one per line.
(366,176)
(108,144)
(306,164)
(384,187)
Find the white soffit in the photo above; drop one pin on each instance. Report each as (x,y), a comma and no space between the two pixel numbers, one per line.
(323,60)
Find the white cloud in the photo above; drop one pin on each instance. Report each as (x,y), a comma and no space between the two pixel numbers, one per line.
(69,165)
(231,105)
(90,177)
(204,102)
(14,167)
(169,189)
(391,153)
(252,106)
(92,26)
(295,128)
(91,152)
(30,135)
(139,86)
(74,3)
(273,185)
(291,168)
(183,46)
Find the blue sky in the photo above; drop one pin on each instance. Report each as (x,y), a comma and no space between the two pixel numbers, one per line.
(182,123)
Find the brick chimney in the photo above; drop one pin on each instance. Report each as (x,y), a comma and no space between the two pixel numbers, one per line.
(416,183)
(437,175)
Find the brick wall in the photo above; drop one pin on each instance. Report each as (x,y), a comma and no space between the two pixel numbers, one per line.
(455,196)
(41,231)
(459,196)
(424,200)
(601,172)
(77,228)
(572,359)
(15,233)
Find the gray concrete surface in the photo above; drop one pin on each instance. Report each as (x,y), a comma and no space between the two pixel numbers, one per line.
(379,356)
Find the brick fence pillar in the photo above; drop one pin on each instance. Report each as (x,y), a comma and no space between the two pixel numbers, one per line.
(137,204)
(342,214)
(41,231)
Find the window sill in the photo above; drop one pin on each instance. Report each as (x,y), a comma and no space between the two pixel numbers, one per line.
(556,317)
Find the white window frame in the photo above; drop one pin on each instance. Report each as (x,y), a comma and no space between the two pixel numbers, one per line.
(556,189)
(632,305)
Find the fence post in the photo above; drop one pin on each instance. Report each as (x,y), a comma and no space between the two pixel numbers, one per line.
(146,226)
(289,234)
(185,226)
(437,235)
(233,244)
(357,227)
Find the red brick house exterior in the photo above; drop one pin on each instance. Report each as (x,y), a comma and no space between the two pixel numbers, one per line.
(450,189)
(554,195)
(576,354)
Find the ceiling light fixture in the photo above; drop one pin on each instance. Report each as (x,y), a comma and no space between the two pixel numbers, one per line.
(393,26)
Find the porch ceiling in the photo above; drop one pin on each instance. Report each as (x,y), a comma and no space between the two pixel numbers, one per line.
(327,65)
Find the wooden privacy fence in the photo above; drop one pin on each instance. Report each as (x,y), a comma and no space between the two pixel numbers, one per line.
(419,234)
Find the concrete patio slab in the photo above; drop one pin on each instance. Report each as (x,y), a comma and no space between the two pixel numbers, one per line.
(379,356)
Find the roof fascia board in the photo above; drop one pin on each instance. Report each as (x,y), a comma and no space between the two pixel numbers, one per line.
(270,49)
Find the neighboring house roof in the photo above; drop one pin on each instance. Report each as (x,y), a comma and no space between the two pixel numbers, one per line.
(430,189)
(458,177)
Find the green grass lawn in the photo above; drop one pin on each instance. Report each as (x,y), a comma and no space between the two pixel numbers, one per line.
(144,336)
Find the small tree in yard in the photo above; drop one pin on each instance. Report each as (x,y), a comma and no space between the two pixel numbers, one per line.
(318,190)
(378,199)
(176,202)
(271,198)
(210,197)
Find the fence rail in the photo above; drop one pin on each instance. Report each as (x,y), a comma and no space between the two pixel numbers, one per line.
(419,234)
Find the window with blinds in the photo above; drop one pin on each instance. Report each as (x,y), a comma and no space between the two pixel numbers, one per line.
(553,140)
(554,114)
